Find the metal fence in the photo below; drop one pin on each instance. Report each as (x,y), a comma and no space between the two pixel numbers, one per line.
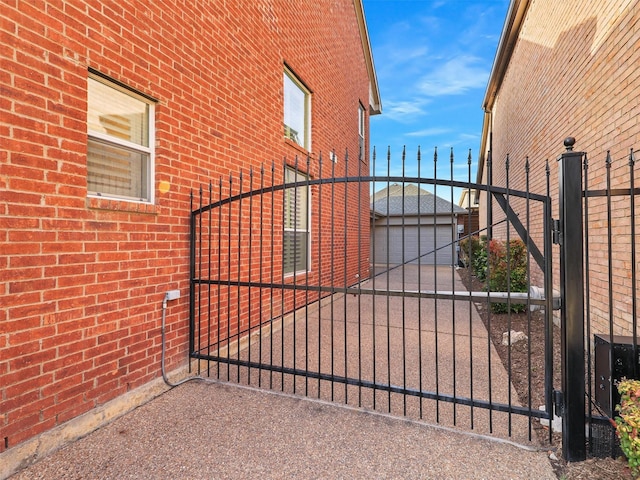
(611,289)
(357,287)
(291,290)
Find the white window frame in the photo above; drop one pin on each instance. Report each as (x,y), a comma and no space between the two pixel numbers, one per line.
(127,145)
(292,194)
(291,81)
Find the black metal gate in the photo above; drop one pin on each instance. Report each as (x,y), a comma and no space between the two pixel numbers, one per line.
(286,295)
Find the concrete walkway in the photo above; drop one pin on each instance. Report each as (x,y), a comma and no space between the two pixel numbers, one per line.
(207,431)
(419,344)
(218,430)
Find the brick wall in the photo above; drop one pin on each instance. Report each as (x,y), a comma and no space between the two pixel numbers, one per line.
(573,73)
(82,279)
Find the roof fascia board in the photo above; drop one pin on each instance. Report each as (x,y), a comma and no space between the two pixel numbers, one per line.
(375,104)
(506,45)
(508,39)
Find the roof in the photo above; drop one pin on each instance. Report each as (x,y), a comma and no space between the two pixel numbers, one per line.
(508,38)
(375,104)
(410,200)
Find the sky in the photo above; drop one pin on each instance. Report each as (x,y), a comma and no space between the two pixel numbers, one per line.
(433,59)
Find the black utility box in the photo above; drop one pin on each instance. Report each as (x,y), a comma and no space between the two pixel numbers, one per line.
(607,396)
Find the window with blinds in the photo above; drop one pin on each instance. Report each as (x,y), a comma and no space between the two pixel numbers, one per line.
(297,237)
(296,110)
(119,150)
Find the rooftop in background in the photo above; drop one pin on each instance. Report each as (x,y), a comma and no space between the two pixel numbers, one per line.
(469,199)
(410,199)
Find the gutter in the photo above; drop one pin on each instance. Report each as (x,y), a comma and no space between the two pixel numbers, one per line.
(508,39)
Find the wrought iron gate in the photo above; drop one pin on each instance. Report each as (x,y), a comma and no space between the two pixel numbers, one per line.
(286,295)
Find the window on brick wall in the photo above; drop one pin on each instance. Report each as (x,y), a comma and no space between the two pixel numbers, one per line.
(297,235)
(297,111)
(120,141)
(361,120)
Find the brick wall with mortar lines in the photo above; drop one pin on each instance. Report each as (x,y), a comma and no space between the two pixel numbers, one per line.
(572,73)
(247,222)
(83,278)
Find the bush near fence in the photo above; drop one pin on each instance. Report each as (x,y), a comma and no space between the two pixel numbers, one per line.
(502,269)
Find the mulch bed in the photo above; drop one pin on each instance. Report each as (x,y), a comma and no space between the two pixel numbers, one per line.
(526,361)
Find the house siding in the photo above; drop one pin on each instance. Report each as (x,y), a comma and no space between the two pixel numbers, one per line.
(573,72)
(82,279)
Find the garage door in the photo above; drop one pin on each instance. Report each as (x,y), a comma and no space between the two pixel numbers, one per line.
(414,237)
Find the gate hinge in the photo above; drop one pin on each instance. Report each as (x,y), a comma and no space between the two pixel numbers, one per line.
(556,233)
(558,403)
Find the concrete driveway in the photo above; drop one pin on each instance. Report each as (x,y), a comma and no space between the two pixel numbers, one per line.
(209,431)
(222,430)
(439,346)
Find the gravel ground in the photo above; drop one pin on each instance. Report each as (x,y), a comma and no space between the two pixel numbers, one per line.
(206,431)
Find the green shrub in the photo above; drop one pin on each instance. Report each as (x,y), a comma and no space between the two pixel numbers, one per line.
(507,271)
(628,422)
(480,262)
(473,253)
(505,274)
(463,255)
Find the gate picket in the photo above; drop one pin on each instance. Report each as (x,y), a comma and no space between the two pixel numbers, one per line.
(285,293)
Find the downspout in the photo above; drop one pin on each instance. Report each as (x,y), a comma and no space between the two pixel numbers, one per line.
(487,137)
(490,181)
(508,39)
(487,131)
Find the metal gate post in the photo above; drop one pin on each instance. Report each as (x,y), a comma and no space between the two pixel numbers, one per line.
(572,313)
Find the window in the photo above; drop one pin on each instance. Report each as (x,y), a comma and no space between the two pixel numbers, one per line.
(120,131)
(296,111)
(296,224)
(361,118)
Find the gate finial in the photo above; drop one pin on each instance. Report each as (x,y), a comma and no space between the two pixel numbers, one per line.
(569,142)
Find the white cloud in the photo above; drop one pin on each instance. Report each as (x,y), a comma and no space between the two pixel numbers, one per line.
(404,111)
(469,136)
(455,77)
(400,58)
(480,20)
(429,132)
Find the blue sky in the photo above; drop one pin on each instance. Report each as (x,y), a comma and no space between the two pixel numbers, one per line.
(433,59)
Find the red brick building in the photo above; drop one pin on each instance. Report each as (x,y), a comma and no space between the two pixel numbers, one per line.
(110,114)
(570,69)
